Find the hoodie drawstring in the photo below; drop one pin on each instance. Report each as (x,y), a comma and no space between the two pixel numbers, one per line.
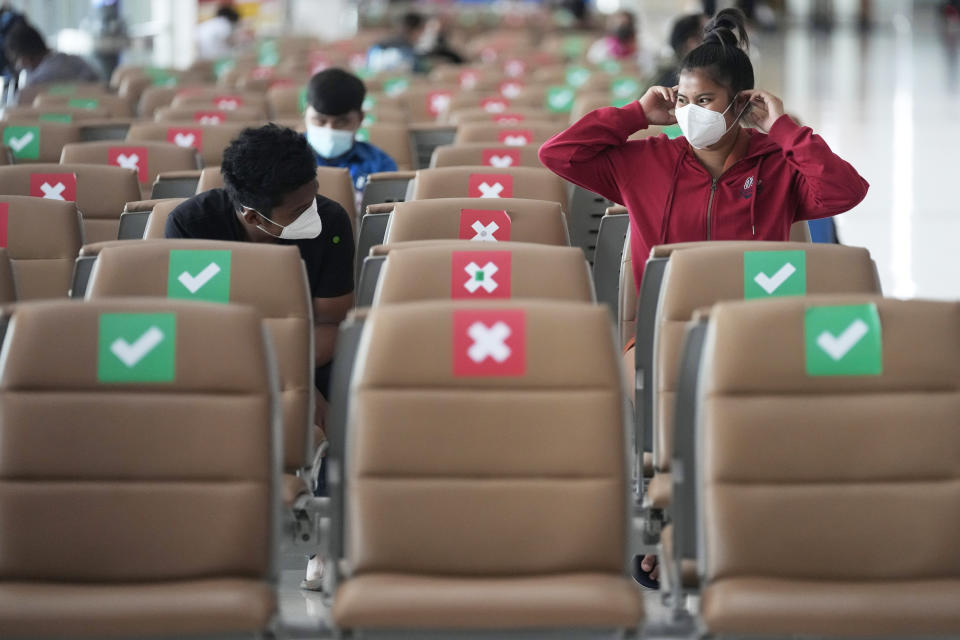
(668,209)
(756,194)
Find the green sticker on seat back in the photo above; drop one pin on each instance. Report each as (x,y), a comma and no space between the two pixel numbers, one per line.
(267,53)
(62,89)
(56,117)
(222,66)
(369,102)
(161,77)
(24,142)
(83,103)
(611,66)
(577,76)
(302,99)
(625,87)
(137,347)
(771,274)
(560,99)
(395,86)
(362,135)
(843,341)
(199,275)
(673,131)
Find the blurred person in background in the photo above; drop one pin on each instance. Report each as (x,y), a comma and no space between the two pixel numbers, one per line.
(333,116)
(685,36)
(109,33)
(216,37)
(620,43)
(29,54)
(434,47)
(9,18)
(399,51)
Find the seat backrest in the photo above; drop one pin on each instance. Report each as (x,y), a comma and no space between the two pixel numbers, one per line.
(464,270)
(27,95)
(147,158)
(489,182)
(100,192)
(154,98)
(116,106)
(8,284)
(428,104)
(393,138)
(187,115)
(181,393)
(157,220)
(222,99)
(209,139)
(509,219)
(485,154)
(839,410)
(42,239)
(491,491)
(63,114)
(527,132)
(270,278)
(286,102)
(38,141)
(627,299)
(713,272)
(514,117)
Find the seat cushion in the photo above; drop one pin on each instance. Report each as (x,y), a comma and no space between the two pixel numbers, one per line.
(798,607)
(170,609)
(587,600)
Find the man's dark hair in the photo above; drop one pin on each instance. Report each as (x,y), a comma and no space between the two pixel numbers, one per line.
(227,11)
(334,92)
(263,165)
(24,40)
(684,28)
(411,21)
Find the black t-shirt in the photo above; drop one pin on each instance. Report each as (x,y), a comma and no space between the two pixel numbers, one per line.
(328,257)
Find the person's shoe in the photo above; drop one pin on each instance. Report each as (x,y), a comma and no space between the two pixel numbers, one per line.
(643,577)
(314,578)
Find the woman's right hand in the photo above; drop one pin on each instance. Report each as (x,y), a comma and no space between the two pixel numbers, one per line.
(657,103)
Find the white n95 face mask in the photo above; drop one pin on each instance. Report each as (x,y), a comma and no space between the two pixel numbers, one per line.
(329,142)
(306,227)
(703,127)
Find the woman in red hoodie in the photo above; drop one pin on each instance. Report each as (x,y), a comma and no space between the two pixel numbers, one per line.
(721,181)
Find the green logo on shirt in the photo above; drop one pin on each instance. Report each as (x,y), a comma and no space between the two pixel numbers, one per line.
(843,341)
(769,274)
(199,275)
(137,347)
(23,141)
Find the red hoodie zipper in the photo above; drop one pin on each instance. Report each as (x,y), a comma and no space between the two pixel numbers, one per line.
(713,191)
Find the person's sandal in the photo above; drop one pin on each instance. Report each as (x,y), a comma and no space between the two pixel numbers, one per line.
(643,577)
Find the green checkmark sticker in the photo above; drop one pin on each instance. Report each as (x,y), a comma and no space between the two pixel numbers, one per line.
(199,275)
(24,142)
(771,274)
(560,99)
(65,118)
(83,103)
(137,347)
(843,341)
(577,76)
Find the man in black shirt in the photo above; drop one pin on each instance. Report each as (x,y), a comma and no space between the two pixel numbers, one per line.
(271,196)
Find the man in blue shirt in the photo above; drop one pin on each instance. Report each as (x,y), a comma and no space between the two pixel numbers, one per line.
(334,114)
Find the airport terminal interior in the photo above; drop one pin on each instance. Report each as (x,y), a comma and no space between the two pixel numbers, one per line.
(479,319)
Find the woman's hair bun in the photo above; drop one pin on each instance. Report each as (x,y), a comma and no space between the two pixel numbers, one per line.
(727,29)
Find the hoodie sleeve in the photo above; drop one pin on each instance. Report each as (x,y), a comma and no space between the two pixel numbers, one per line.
(827,184)
(586,152)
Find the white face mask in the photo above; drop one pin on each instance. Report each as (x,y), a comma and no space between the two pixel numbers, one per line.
(703,127)
(329,142)
(306,227)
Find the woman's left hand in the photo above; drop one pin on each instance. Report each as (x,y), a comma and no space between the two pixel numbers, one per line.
(765,109)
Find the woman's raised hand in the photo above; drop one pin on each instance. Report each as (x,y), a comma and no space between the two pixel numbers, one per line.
(658,104)
(765,109)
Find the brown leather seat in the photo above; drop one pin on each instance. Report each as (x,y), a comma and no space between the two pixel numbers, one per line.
(148,158)
(482,154)
(189,114)
(157,220)
(455,540)
(534,132)
(42,238)
(828,500)
(513,117)
(209,139)
(219,98)
(153,98)
(37,141)
(535,221)
(8,285)
(490,182)
(713,272)
(428,103)
(27,95)
(157,474)
(284,102)
(442,270)
(52,114)
(100,192)
(393,138)
(116,106)
(270,278)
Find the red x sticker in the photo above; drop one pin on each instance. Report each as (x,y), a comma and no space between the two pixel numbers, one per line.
(185,137)
(515,67)
(318,62)
(261,73)
(480,275)
(489,343)
(511,89)
(501,158)
(508,118)
(515,137)
(484,225)
(438,102)
(495,105)
(54,186)
(227,103)
(4,223)
(490,185)
(280,83)
(208,117)
(469,79)
(130,158)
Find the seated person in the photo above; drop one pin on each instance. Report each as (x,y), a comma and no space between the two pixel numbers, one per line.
(271,196)
(399,51)
(685,36)
(334,114)
(27,51)
(620,43)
